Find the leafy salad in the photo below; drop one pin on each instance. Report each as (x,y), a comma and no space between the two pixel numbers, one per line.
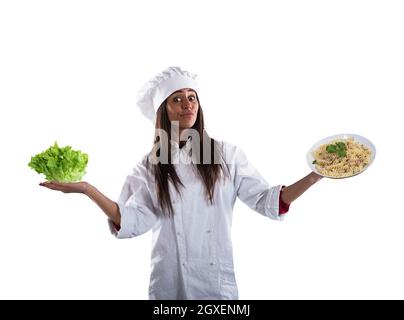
(60,164)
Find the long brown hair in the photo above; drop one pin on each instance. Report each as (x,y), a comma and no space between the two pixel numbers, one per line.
(210,173)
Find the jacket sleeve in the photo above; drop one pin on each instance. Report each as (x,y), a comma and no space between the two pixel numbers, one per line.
(254,190)
(135,206)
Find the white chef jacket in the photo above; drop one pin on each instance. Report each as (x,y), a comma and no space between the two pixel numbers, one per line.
(192,255)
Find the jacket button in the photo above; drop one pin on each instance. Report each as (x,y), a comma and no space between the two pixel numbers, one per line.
(209,231)
(212,263)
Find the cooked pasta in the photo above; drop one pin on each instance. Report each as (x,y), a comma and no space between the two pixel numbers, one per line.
(350,159)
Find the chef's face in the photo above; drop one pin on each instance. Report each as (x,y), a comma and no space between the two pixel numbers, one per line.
(182,106)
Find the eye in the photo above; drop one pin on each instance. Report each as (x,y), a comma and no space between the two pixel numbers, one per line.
(177,99)
(192,98)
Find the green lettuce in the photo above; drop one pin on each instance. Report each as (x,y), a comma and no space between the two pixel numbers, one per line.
(60,164)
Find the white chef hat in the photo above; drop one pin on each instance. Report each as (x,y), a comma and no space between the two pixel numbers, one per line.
(155,91)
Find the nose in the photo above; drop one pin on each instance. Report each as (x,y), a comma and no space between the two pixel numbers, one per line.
(186,104)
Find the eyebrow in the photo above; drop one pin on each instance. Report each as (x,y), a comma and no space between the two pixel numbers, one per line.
(180,91)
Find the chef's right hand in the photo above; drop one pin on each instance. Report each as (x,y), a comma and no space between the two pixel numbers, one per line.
(66,187)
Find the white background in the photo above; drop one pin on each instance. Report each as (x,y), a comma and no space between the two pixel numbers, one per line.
(276,75)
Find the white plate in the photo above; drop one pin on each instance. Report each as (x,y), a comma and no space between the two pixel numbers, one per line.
(343,136)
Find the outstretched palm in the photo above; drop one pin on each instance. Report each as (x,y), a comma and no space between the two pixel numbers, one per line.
(66,187)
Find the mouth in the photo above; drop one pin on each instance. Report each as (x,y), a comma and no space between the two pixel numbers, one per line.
(187,115)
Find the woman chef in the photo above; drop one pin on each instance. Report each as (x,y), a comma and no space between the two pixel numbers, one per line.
(186,196)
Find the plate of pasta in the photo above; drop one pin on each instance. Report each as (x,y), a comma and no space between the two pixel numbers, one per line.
(341,156)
